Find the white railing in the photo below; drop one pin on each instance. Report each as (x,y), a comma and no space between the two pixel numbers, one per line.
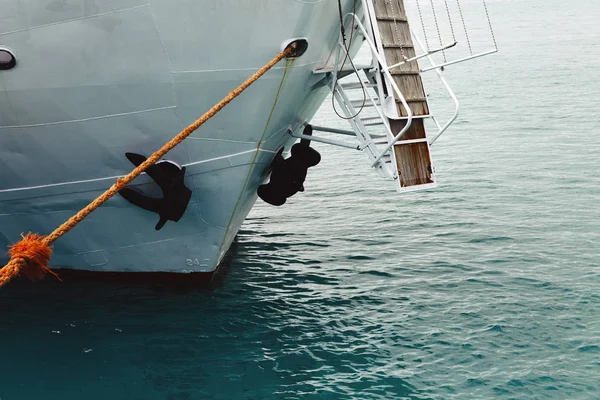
(384,79)
(386,72)
(438,71)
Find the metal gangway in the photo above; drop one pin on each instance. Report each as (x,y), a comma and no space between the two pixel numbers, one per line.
(384,101)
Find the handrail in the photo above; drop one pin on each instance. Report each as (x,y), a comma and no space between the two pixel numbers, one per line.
(485,53)
(387,73)
(336,85)
(426,54)
(323,140)
(448,89)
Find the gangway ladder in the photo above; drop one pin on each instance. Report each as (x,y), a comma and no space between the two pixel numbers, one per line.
(388,118)
(392,36)
(370,141)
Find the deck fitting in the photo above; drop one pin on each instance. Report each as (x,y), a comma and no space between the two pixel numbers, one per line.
(7,59)
(299,47)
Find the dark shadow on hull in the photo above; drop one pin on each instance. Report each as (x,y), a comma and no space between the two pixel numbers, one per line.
(155,281)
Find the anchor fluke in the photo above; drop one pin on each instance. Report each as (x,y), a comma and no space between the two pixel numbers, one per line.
(169,177)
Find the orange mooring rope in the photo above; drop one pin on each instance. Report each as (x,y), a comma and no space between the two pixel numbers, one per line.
(30,256)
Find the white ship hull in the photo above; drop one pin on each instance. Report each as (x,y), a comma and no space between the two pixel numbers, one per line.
(97,79)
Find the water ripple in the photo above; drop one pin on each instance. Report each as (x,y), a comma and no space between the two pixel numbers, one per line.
(485,288)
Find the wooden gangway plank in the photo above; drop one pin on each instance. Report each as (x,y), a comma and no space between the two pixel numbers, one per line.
(413,158)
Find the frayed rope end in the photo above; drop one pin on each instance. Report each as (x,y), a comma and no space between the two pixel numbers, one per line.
(28,257)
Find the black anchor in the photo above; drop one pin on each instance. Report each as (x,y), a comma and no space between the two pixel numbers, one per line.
(288,174)
(169,178)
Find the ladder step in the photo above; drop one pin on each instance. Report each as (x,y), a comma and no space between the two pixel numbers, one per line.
(412,100)
(410,141)
(397,46)
(383,139)
(379,136)
(374,123)
(370,118)
(416,117)
(392,19)
(356,85)
(359,103)
(404,73)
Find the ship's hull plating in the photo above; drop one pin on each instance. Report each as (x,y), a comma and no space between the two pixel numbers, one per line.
(97,79)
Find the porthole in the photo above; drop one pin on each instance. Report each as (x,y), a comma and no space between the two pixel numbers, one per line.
(7,60)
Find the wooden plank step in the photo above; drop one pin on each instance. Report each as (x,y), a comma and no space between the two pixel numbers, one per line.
(391,19)
(414,164)
(382,8)
(412,156)
(411,87)
(374,117)
(398,46)
(394,57)
(395,72)
(412,100)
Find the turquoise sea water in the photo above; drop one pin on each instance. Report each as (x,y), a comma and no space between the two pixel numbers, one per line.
(487,287)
